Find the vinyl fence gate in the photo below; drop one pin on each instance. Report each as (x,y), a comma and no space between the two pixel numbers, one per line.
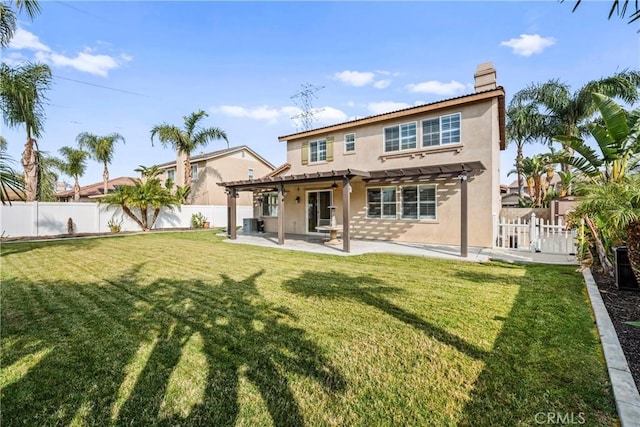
(536,235)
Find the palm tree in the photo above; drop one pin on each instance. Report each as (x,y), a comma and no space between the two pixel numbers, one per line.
(570,112)
(619,8)
(8,18)
(524,125)
(22,100)
(74,164)
(11,182)
(101,149)
(147,193)
(47,176)
(186,140)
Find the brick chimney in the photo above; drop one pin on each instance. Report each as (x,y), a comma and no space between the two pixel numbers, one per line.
(485,77)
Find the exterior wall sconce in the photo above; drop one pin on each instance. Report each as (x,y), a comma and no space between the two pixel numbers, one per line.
(334,185)
(297,199)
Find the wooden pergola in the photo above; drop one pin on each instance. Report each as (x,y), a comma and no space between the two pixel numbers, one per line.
(459,171)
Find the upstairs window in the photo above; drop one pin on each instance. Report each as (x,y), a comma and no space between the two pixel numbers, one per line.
(318,151)
(350,143)
(401,137)
(442,130)
(171,175)
(250,173)
(194,169)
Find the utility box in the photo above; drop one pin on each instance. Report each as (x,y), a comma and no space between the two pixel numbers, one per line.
(249,225)
(625,279)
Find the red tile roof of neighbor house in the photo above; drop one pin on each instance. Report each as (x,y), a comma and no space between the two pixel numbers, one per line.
(96,190)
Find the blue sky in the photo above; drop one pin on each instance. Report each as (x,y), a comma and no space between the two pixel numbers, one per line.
(242,62)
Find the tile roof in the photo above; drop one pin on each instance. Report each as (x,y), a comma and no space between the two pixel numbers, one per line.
(218,153)
(96,190)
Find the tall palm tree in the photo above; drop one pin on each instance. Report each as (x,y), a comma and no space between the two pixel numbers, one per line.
(186,140)
(47,176)
(8,18)
(619,8)
(524,125)
(74,164)
(571,112)
(101,149)
(22,98)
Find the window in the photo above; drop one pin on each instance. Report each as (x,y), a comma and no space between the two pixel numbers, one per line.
(171,175)
(441,131)
(401,137)
(270,204)
(381,202)
(419,202)
(194,170)
(318,150)
(250,173)
(350,143)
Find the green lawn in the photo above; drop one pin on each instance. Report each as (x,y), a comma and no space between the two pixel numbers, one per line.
(183,329)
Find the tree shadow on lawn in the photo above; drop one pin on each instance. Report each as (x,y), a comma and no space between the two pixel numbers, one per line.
(371,291)
(70,242)
(545,359)
(96,333)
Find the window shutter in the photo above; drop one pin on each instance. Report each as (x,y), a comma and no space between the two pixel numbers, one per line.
(305,153)
(329,149)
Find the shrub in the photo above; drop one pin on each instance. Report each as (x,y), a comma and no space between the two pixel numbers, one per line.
(198,220)
(114,226)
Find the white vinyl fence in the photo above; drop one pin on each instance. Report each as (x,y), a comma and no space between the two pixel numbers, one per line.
(50,218)
(536,235)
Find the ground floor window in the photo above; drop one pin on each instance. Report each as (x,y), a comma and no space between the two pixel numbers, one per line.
(419,202)
(270,204)
(381,202)
(410,201)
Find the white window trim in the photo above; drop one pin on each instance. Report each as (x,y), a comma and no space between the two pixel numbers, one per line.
(195,173)
(345,143)
(174,174)
(325,151)
(250,173)
(400,203)
(440,144)
(400,149)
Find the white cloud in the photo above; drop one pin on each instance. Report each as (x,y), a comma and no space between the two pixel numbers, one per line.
(14,58)
(528,44)
(381,84)
(355,78)
(23,39)
(330,115)
(86,61)
(437,88)
(386,106)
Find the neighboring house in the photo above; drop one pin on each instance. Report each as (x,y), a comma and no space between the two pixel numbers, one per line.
(510,196)
(426,174)
(209,169)
(93,192)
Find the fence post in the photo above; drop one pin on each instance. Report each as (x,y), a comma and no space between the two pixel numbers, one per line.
(533,233)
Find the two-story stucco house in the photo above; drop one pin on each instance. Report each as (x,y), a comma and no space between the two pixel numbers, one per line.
(426,174)
(209,169)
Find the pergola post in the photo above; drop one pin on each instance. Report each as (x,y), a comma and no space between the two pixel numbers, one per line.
(281,214)
(231,214)
(464,215)
(346,214)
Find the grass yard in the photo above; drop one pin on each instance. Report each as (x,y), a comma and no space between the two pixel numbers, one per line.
(184,329)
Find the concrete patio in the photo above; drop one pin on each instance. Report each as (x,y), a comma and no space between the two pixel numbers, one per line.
(315,244)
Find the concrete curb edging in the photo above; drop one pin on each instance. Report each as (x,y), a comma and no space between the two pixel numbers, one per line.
(625,392)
